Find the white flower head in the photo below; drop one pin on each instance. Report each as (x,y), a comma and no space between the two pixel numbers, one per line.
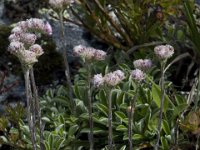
(38,25)
(98,80)
(23,25)
(48,28)
(164,51)
(15,47)
(28,38)
(100,55)
(60,4)
(89,53)
(119,74)
(143,64)
(137,75)
(114,78)
(22,40)
(77,50)
(14,38)
(37,49)
(17,30)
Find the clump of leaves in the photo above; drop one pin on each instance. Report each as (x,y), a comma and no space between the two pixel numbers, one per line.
(11,127)
(126,23)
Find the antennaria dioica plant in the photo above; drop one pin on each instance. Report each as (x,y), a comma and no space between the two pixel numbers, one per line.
(22,45)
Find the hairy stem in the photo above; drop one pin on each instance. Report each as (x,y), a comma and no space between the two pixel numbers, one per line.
(67,72)
(91,137)
(162,85)
(37,109)
(110,132)
(198,93)
(29,108)
(197,143)
(130,120)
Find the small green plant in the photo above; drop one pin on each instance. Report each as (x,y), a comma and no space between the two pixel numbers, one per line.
(22,45)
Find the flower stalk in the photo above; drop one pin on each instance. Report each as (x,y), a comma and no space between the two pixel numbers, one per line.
(67,72)
(163,52)
(91,136)
(37,108)
(110,132)
(29,108)
(162,86)
(130,120)
(198,93)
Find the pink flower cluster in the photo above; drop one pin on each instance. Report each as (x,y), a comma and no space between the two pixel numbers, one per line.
(22,41)
(89,53)
(60,4)
(110,79)
(142,64)
(137,75)
(164,52)
(98,80)
(33,25)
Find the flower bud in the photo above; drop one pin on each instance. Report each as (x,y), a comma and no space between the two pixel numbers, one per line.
(14,38)
(15,46)
(114,78)
(37,49)
(98,80)
(119,74)
(17,30)
(89,53)
(23,25)
(164,51)
(60,4)
(77,50)
(28,38)
(38,25)
(48,29)
(142,64)
(99,55)
(137,75)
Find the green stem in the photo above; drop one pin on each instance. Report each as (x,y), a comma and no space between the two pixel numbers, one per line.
(37,109)
(110,132)
(29,108)
(176,131)
(130,120)
(67,72)
(197,143)
(162,85)
(198,93)
(91,137)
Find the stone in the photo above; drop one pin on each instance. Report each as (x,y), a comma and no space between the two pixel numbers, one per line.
(1,12)
(73,36)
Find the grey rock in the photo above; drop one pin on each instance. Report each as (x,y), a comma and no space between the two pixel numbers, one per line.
(1,12)
(16,93)
(73,36)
